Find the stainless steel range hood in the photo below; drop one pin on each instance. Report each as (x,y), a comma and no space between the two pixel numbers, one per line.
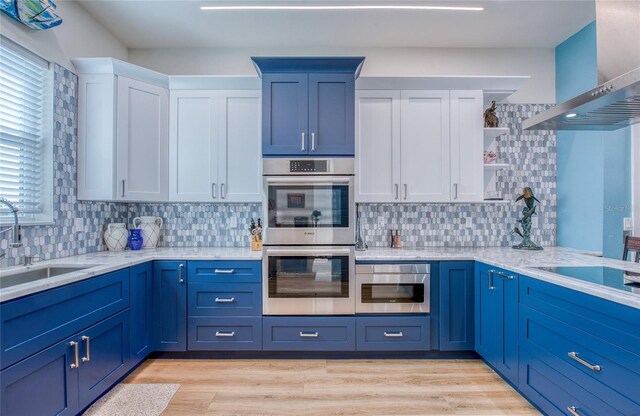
(615,103)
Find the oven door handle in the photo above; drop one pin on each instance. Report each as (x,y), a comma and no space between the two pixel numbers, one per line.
(322,180)
(316,252)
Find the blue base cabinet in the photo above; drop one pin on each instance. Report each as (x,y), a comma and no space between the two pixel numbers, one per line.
(225,333)
(170,306)
(309,333)
(496,319)
(141,311)
(393,333)
(456,306)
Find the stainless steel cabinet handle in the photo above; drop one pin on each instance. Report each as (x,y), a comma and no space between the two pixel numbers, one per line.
(180,276)
(313,142)
(75,346)
(573,410)
(213,191)
(225,334)
(506,276)
(123,188)
(302,149)
(394,334)
(309,334)
(87,357)
(397,186)
(490,279)
(225,300)
(455,191)
(405,191)
(223,190)
(574,356)
(224,271)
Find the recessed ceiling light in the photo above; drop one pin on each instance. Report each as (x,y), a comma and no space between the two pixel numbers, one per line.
(571,115)
(351,7)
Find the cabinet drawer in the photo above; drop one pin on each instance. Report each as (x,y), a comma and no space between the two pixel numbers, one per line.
(225,299)
(321,333)
(553,392)
(35,322)
(616,371)
(239,271)
(207,334)
(404,333)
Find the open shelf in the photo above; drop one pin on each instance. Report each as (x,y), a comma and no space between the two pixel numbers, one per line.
(493,132)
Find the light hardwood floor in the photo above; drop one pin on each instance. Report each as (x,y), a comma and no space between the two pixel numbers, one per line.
(333,387)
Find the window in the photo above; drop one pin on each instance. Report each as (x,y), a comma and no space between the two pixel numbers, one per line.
(26,134)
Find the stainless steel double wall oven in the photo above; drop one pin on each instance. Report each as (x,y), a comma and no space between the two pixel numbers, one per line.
(309,256)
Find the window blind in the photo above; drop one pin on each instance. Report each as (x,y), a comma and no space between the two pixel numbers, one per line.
(25,130)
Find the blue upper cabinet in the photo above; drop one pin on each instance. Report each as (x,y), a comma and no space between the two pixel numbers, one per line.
(308,105)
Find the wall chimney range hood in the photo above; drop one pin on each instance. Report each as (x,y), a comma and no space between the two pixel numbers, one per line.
(615,103)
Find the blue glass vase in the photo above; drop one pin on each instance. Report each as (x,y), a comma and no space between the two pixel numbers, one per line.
(135,239)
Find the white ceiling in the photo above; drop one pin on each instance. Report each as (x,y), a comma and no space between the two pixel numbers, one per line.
(180,24)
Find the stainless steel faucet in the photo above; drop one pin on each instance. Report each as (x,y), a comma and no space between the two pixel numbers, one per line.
(16,239)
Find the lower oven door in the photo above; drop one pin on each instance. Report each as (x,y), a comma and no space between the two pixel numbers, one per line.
(393,293)
(310,280)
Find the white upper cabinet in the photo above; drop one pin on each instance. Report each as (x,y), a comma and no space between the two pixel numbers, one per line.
(142,141)
(377,146)
(419,146)
(424,150)
(123,132)
(467,138)
(214,150)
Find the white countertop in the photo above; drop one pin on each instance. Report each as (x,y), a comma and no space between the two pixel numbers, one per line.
(522,262)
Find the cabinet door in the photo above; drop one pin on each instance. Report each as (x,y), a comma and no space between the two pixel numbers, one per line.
(142,141)
(485,313)
(239,162)
(285,112)
(377,146)
(424,149)
(43,384)
(170,306)
(506,363)
(96,137)
(456,306)
(105,352)
(141,311)
(467,170)
(331,114)
(193,148)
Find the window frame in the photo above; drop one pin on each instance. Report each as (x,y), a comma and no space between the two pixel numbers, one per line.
(45,217)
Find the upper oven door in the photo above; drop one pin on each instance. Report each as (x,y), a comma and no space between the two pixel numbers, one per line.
(308,280)
(304,210)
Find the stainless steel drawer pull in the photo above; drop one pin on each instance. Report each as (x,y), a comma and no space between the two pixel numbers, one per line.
(490,279)
(225,334)
(224,271)
(394,334)
(123,188)
(573,410)
(506,276)
(180,273)
(574,356)
(87,357)
(313,142)
(213,190)
(397,186)
(302,147)
(225,300)
(309,334)
(75,354)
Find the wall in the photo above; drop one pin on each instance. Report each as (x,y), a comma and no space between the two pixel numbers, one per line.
(536,62)
(533,163)
(594,168)
(635,167)
(80,35)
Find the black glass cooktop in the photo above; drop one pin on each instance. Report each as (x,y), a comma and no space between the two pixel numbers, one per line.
(605,276)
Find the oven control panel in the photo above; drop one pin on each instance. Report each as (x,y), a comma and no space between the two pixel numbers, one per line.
(306,166)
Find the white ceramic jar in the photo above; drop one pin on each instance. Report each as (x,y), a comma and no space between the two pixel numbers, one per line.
(150,227)
(115,237)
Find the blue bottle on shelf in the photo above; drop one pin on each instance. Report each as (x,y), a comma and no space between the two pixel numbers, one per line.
(135,239)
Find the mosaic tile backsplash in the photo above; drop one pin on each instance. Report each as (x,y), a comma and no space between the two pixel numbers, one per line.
(78,225)
(532,160)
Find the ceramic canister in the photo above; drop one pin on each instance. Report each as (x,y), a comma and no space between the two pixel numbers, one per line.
(150,227)
(115,237)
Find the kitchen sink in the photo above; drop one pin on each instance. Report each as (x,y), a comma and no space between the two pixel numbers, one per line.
(31,275)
